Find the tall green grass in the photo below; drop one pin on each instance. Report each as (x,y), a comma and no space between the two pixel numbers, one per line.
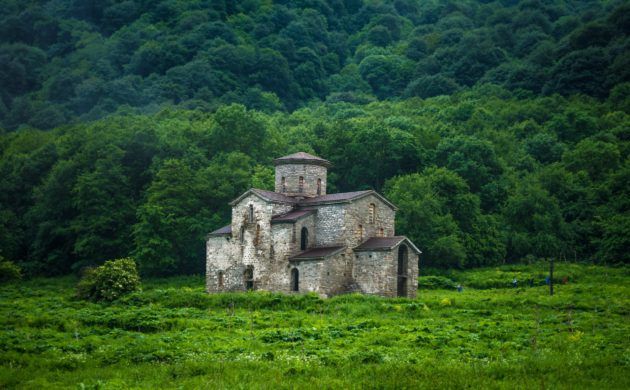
(174,335)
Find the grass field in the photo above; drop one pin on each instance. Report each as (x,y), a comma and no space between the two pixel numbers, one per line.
(173,335)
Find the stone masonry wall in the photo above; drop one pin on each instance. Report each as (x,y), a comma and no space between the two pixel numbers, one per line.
(267,248)
(357,217)
(329,225)
(221,256)
(248,247)
(376,272)
(292,173)
(286,243)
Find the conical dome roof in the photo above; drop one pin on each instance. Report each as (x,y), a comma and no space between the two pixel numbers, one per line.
(302,158)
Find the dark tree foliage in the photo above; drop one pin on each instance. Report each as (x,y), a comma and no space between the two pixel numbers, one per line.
(67,61)
(499,128)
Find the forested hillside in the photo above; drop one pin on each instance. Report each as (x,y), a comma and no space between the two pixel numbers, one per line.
(68,60)
(500,129)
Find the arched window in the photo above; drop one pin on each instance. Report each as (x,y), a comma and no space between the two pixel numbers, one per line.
(304,239)
(250,216)
(295,279)
(301,184)
(284,184)
(381,232)
(319,186)
(242,238)
(220,279)
(371,212)
(360,232)
(402,271)
(248,277)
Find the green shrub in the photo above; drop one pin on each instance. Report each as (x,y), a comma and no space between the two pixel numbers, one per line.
(9,271)
(110,281)
(433,282)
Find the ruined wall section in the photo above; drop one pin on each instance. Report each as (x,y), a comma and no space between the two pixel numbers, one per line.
(292,172)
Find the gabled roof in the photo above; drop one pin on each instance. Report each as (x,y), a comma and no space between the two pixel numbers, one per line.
(385,244)
(318,253)
(269,196)
(291,216)
(224,231)
(302,158)
(344,197)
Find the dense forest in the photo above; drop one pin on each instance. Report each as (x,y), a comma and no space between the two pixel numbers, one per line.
(500,129)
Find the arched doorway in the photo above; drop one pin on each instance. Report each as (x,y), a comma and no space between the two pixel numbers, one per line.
(402,271)
(304,239)
(295,279)
(248,277)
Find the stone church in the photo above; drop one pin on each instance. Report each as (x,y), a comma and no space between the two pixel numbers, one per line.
(298,238)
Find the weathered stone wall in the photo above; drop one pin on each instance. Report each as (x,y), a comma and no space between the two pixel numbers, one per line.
(326,277)
(376,272)
(357,216)
(373,272)
(310,275)
(220,257)
(250,246)
(285,243)
(292,173)
(337,275)
(329,225)
(267,248)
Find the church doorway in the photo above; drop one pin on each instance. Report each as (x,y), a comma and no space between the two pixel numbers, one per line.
(295,280)
(248,277)
(402,271)
(304,239)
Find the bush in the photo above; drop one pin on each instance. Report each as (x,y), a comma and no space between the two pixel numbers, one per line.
(433,282)
(110,281)
(9,271)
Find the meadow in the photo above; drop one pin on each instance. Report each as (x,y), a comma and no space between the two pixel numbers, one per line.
(173,335)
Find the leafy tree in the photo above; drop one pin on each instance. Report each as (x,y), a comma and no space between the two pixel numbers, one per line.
(429,86)
(105,211)
(167,233)
(476,161)
(237,129)
(536,224)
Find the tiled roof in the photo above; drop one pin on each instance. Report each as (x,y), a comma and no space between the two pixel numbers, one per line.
(318,253)
(302,157)
(275,196)
(222,231)
(384,243)
(340,197)
(291,216)
(267,195)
